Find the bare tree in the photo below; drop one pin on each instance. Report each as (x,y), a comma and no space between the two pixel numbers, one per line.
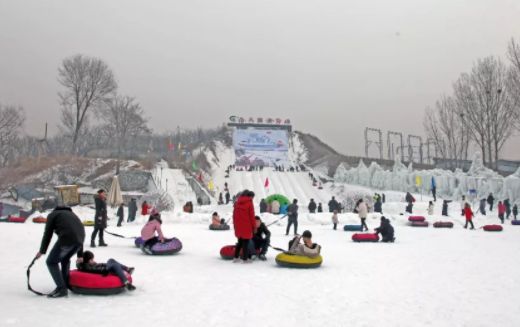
(123,118)
(11,123)
(88,83)
(444,124)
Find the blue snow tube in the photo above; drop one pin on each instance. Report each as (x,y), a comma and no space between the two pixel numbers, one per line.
(353,228)
(515,222)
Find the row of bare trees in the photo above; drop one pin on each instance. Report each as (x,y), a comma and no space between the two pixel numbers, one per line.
(482,111)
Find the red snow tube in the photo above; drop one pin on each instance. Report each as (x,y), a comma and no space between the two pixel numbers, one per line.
(14,219)
(493,228)
(416,218)
(419,224)
(365,237)
(228,252)
(39,220)
(96,284)
(443,224)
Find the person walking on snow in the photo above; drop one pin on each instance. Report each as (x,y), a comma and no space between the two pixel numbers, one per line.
(508,208)
(490,201)
(445,207)
(120,214)
(312,206)
(333,205)
(320,208)
(515,211)
(100,220)
(434,189)
(501,211)
(468,213)
(482,207)
(244,223)
(132,210)
(292,212)
(362,211)
(335,219)
(71,235)
(430,208)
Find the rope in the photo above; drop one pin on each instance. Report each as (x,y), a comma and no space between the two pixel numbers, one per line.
(28,279)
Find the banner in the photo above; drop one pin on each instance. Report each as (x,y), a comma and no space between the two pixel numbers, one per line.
(261,147)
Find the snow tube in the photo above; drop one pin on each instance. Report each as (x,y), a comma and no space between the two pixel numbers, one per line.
(39,220)
(419,224)
(219,227)
(493,228)
(443,224)
(352,228)
(365,237)
(416,218)
(278,197)
(95,284)
(15,219)
(88,222)
(228,252)
(298,261)
(515,222)
(170,246)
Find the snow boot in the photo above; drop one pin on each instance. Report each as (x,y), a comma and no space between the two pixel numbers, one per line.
(130,287)
(58,292)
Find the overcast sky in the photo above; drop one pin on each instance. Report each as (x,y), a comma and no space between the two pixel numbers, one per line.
(333,67)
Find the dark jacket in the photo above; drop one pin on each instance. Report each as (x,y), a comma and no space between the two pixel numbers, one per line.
(333,205)
(101,212)
(132,209)
(490,199)
(312,207)
(262,232)
(445,207)
(515,210)
(386,230)
(120,212)
(263,206)
(66,225)
(292,210)
(409,197)
(378,206)
(244,218)
(98,268)
(320,208)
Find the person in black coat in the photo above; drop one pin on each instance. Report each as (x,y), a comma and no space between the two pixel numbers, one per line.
(312,206)
(292,213)
(71,235)
(261,238)
(228,197)
(490,201)
(120,214)
(507,203)
(333,205)
(378,205)
(263,206)
(515,211)
(386,230)
(132,210)
(100,220)
(88,265)
(445,207)
(482,207)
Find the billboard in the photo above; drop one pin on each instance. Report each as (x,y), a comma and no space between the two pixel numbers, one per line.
(261,147)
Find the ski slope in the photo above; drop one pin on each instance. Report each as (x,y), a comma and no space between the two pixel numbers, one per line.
(175,184)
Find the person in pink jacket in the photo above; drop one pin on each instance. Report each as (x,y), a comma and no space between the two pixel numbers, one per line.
(148,231)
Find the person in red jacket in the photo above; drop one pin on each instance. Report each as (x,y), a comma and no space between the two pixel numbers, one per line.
(469,216)
(501,211)
(144,208)
(245,224)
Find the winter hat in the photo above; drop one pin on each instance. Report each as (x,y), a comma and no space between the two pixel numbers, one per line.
(87,256)
(307,234)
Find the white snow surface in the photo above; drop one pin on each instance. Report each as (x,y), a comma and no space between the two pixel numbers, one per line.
(429,277)
(174,182)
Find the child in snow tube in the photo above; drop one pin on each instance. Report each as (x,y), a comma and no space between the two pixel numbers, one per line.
(306,255)
(87,265)
(217,223)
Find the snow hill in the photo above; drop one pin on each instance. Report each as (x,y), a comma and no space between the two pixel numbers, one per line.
(174,182)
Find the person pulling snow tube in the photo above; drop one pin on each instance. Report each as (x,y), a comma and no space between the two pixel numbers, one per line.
(95,284)
(515,222)
(493,228)
(228,252)
(288,260)
(419,224)
(169,247)
(416,219)
(39,220)
(365,237)
(219,227)
(353,228)
(443,224)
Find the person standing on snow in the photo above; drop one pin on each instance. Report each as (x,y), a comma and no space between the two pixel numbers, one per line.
(120,214)
(434,189)
(508,208)
(468,213)
(132,210)
(312,206)
(430,208)
(490,201)
(445,207)
(71,235)
(335,220)
(320,208)
(463,205)
(362,211)
(292,212)
(263,206)
(482,207)
(501,211)
(333,205)
(100,220)
(515,211)
(244,223)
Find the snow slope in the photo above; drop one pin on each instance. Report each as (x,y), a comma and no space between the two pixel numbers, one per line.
(429,277)
(174,182)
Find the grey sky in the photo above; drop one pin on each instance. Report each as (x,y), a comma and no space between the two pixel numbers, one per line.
(333,67)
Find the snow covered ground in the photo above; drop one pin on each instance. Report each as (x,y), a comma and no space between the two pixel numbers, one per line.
(429,277)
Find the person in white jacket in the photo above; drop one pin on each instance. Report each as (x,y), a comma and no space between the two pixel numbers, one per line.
(430,208)
(275,207)
(362,210)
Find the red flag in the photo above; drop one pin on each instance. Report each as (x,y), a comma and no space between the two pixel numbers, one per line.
(266,184)
(200,177)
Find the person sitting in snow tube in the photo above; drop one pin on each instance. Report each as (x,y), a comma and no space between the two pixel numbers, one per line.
(148,231)
(217,223)
(386,230)
(306,255)
(88,265)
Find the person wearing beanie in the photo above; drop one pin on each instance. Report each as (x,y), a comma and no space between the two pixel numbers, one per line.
(87,264)
(308,248)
